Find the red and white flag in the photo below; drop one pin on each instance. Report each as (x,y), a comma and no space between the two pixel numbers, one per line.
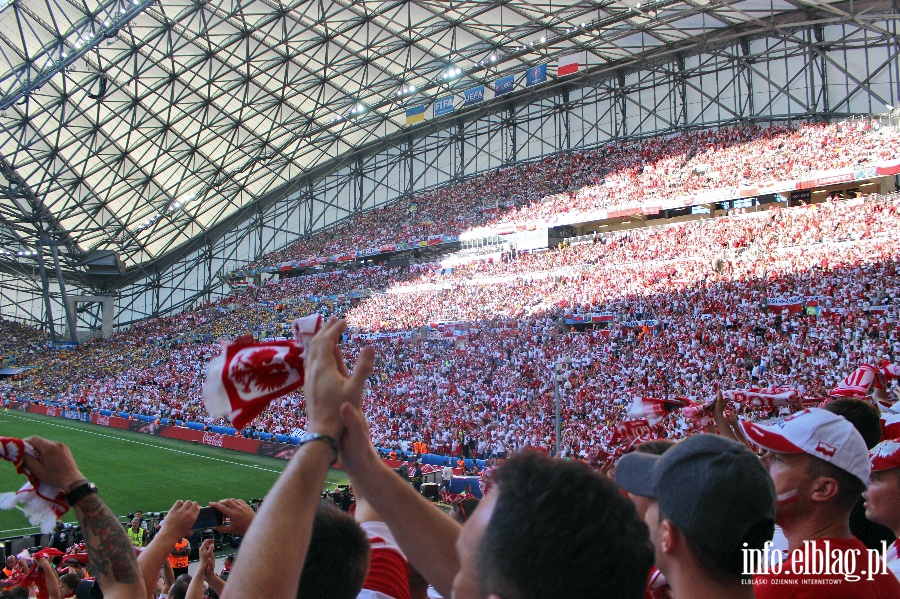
(42,504)
(859,381)
(248,375)
(567,65)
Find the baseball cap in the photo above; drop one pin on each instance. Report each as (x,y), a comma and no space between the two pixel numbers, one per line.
(819,433)
(885,456)
(716,491)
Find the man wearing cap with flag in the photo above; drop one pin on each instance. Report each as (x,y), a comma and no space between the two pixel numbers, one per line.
(820,466)
(883,495)
(710,498)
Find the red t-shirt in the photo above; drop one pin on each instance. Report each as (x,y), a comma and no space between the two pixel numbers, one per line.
(810,581)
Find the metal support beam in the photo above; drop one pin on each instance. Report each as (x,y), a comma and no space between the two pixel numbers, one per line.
(70,316)
(45,288)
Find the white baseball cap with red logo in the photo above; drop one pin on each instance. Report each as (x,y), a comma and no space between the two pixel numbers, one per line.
(818,433)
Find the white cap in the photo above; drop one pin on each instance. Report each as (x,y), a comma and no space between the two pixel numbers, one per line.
(818,433)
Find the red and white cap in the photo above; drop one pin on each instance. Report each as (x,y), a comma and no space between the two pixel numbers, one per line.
(819,433)
(885,456)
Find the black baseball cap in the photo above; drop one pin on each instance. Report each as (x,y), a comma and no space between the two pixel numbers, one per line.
(714,490)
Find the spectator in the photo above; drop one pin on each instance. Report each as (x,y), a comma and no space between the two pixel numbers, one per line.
(157,556)
(272,555)
(111,554)
(709,499)
(67,584)
(866,419)
(819,463)
(883,495)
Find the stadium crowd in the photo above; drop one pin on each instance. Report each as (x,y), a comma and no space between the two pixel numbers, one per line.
(693,294)
(703,517)
(633,173)
(470,362)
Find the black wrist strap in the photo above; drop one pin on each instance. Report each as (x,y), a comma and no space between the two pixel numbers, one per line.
(80,492)
(309,437)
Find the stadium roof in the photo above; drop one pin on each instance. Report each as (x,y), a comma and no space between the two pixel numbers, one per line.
(138,125)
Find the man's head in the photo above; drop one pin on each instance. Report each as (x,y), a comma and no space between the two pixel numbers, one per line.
(864,417)
(135,523)
(818,462)
(655,447)
(10,561)
(338,556)
(67,583)
(883,495)
(713,499)
(139,515)
(581,522)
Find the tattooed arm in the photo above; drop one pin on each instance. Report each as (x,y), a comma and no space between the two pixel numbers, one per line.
(109,550)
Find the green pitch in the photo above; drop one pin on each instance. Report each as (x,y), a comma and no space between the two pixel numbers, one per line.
(135,471)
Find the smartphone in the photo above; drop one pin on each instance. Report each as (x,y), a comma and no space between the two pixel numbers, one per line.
(209,517)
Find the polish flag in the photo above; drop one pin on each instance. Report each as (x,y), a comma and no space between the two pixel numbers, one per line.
(567,65)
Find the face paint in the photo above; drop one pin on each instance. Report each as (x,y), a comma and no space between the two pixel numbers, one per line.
(787,498)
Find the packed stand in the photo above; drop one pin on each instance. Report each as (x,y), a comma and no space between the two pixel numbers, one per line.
(639,173)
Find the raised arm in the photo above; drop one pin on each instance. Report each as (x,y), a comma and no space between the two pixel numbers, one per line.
(109,551)
(196,589)
(176,526)
(272,554)
(50,577)
(406,512)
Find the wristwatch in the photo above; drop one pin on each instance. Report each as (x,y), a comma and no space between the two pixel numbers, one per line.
(309,437)
(80,492)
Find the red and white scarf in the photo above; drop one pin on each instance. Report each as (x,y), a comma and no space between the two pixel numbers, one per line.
(248,375)
(42,504)
(655,409)
(859,381)
(768,398)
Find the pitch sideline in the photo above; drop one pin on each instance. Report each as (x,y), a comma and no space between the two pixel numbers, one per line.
(152,445)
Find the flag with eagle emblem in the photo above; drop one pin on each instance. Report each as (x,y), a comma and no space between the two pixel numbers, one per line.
(248,375)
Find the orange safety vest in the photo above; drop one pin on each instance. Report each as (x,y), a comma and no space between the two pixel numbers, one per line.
(179,561)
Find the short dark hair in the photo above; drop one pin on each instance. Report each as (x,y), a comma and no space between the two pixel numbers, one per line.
(592,542)
(16,593)
(850,488)
(70,580)
(864,417)
(338,556)
(728,568)
(179,588)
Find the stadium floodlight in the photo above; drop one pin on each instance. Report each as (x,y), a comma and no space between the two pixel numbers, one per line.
(452,72)
(543,40)
(493,58)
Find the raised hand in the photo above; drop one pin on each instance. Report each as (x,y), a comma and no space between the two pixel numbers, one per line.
(236,510)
